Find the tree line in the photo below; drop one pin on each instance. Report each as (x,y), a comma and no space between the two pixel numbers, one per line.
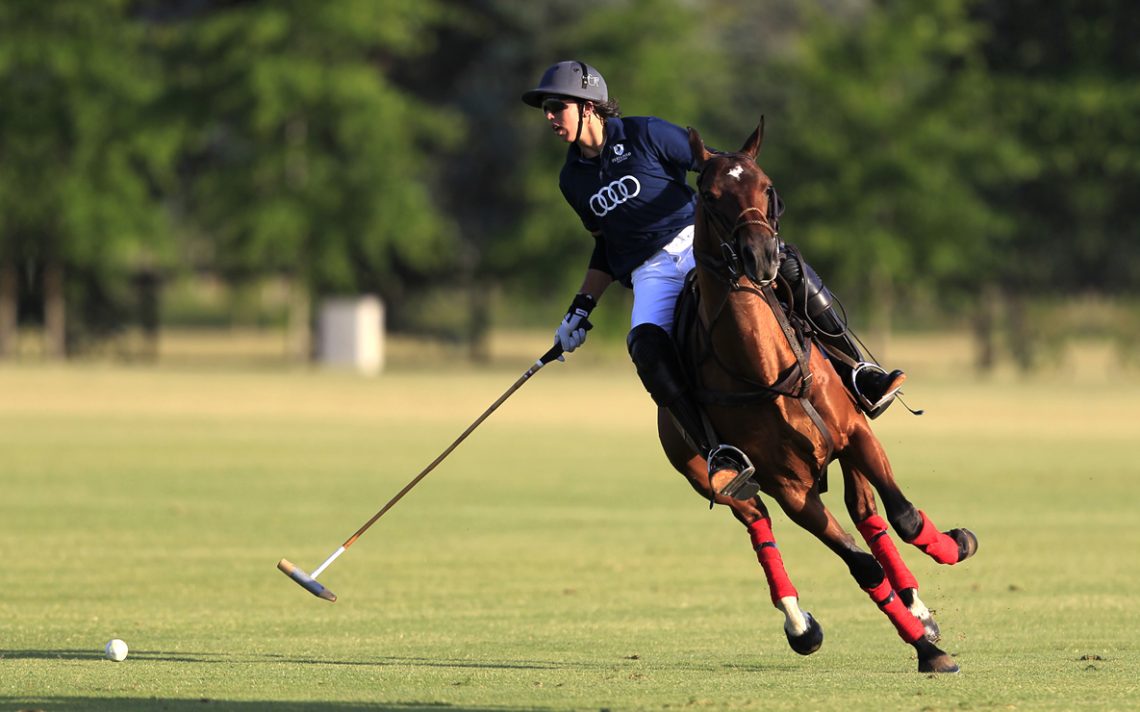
(964,160)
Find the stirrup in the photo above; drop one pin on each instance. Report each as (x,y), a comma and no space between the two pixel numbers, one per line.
(895,380)
(727,457)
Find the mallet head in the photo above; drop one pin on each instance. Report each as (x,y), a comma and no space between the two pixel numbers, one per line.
(306,581)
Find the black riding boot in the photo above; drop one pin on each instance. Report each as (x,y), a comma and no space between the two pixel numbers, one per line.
(874,389)
(659,368)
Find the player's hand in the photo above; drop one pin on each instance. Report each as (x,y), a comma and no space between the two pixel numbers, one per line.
(571,333)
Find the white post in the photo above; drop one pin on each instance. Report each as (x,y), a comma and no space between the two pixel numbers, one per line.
(352,334)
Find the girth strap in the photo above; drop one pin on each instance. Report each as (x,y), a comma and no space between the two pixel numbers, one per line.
(789,384)
(802,360)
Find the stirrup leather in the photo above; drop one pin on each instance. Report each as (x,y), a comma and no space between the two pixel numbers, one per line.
(727,457)
(876,407)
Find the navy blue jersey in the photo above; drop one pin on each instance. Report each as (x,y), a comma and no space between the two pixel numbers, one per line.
(634,194)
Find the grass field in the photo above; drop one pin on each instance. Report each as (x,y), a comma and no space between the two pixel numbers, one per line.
(554,561)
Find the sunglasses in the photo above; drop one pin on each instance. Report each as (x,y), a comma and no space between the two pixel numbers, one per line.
(554,106)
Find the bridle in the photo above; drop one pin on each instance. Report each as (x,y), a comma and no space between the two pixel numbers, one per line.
(729,263)
(795,381)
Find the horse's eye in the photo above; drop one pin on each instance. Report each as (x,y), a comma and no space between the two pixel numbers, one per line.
(707,196)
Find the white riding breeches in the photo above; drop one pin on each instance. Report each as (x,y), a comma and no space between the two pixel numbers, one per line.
(658,281)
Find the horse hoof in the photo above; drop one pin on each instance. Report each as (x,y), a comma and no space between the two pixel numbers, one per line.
(967,543)
(810,640)
(933,659)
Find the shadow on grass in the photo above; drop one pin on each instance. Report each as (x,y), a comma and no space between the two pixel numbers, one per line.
(275,659)
(122,704)
(43,703)
(210,658)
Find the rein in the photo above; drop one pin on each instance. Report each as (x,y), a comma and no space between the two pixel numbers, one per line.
(729,264)
(795,381)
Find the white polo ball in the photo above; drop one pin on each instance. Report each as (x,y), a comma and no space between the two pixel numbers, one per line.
(115,650)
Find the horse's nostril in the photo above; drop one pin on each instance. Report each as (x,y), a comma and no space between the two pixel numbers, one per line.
(760,262)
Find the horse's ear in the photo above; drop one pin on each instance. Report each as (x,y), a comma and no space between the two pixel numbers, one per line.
(752,145)
(701,154)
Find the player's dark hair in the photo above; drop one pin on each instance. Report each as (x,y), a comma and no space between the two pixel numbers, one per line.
(607,109)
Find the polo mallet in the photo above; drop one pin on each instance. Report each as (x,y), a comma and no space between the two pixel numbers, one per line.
(310,583)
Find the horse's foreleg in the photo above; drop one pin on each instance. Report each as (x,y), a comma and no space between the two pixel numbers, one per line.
(690,464)
(912,524)
(807,509)
(804,634)
(764,544)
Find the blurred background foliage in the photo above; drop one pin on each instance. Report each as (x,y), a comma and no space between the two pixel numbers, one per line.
(946,163)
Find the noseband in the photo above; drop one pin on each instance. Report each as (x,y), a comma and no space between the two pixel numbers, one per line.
(729,264)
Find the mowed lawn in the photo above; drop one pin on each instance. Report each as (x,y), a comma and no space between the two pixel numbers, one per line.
(553,561)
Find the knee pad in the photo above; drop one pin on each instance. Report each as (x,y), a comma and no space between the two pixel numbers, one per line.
(790,265)
(655,357)
(810,295)
(817,296)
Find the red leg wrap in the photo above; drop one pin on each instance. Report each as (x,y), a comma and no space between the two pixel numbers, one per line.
(934,543)
(874,531)
(909,628)
(779,585)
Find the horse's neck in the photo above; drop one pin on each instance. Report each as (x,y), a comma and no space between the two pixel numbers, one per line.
(745,333)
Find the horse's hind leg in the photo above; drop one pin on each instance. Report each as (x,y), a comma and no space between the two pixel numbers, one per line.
(860,500)
(912,524)
(803,632)
(948,547)
(807,509)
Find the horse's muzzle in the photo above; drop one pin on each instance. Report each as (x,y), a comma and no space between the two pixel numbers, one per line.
(760,257)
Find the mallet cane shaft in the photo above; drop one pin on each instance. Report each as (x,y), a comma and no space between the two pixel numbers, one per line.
(309,582)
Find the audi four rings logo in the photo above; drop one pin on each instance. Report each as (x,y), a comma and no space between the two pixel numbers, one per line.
(614,194)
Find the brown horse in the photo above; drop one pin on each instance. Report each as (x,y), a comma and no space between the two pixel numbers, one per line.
(774,395)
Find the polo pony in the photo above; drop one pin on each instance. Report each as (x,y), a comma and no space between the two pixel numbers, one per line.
(772,392)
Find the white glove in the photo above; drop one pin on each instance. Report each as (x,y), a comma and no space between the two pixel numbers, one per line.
(571,332)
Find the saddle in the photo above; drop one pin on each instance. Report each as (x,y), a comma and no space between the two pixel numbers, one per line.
(795,382)
(687,335)
(685,324)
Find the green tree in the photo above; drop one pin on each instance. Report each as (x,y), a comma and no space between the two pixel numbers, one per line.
(304,159)
(886,152)
(477,74)
(1068,74)
(82,162)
